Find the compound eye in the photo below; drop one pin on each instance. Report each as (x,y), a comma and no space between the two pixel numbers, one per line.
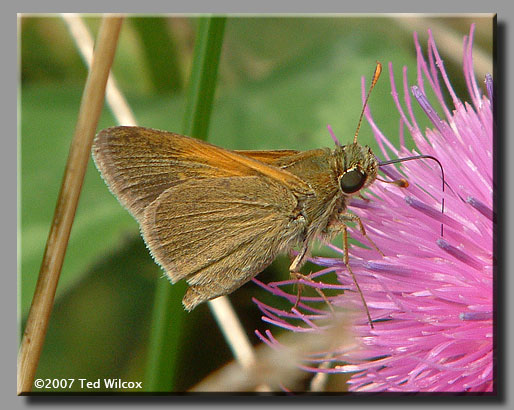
(352,180)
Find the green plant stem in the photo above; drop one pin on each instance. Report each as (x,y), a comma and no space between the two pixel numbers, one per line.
(168,316)
(202,83)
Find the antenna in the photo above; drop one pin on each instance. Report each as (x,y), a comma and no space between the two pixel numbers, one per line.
(378,70)
(401,182)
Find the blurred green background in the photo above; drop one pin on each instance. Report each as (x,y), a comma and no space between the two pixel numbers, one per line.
(281,81)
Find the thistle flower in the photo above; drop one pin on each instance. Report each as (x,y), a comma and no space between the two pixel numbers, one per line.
(430,296)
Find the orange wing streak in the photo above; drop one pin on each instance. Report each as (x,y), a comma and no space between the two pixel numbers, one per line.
(217,157)
(268,157)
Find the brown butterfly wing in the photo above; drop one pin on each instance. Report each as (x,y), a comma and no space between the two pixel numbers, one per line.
(138,164)
(218,233)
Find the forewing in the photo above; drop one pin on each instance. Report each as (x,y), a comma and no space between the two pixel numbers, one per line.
(217,233)
(139,164)
(269,157)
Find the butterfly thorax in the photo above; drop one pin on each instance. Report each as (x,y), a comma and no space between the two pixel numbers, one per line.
(328,172)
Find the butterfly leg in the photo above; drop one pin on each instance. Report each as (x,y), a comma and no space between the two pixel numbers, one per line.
(294,271)
(355,218)
(346,261)
(363,198)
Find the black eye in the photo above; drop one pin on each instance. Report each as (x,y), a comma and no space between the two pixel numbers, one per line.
(352,180)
